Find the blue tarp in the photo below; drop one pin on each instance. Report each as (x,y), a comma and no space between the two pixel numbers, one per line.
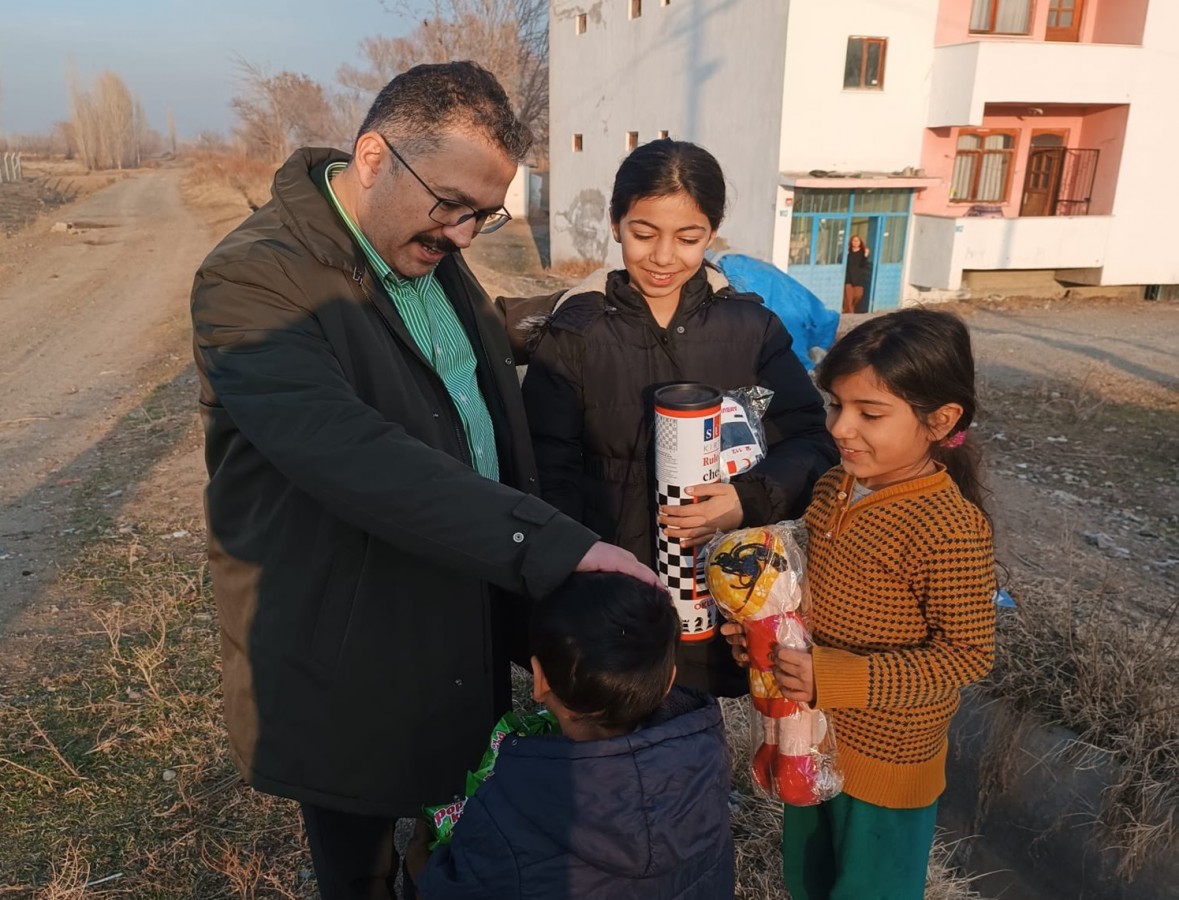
(809,322)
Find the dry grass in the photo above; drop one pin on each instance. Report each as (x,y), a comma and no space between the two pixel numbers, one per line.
(114,774)
(223,188)
(1069,657)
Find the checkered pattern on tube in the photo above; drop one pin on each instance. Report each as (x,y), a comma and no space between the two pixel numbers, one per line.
(681,570)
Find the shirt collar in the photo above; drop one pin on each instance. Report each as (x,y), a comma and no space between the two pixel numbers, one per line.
(383,269)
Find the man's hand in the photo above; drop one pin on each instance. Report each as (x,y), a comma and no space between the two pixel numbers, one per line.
(603,557)
(717,508)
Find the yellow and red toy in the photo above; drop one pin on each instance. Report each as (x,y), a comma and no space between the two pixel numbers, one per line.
(757,578)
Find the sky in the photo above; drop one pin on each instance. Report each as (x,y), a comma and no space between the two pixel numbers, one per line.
(172,53)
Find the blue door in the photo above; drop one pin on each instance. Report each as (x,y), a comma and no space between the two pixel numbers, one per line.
(823,223)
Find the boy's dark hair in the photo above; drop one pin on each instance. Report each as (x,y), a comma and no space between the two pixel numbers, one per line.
(607,645)
(665,167)
(415,108)
(925,358)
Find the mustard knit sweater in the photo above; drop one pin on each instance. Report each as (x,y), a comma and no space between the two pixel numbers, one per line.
(902,617)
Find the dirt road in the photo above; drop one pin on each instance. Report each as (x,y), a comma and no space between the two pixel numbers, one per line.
(94,319)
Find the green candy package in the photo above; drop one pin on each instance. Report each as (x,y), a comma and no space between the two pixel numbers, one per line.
(442,818)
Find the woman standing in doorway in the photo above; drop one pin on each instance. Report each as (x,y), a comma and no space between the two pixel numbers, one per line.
(858,275)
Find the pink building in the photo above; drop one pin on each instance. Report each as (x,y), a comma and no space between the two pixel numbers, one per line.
(1044,117)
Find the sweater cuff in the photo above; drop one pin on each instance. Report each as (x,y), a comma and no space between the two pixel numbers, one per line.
(841,678)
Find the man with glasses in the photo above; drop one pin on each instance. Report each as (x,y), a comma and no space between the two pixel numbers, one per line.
(371,500)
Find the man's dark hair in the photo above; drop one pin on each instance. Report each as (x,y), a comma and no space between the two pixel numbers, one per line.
(607,645)
(415,108)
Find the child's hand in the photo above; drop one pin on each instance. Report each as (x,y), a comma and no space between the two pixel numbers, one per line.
(735,635)
(794,671)
(417,851)
(717,509)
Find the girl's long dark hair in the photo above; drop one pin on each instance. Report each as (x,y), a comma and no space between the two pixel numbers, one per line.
(925,358)
(665,167)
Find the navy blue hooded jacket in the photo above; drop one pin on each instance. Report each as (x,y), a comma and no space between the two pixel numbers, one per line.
(644,816)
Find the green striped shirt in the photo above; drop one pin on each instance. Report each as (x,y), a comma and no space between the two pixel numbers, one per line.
(427,313)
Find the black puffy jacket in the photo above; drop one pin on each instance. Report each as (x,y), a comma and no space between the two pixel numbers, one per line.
(595,365)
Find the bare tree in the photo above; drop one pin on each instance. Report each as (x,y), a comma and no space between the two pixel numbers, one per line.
(507,37)
(277,113)
(108,122)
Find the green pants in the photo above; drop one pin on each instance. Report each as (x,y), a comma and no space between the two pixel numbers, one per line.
(846,849)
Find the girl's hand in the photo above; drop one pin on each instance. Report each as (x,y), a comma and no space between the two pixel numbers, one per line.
(867,252)
(794,671)
(717,509)
(735,635)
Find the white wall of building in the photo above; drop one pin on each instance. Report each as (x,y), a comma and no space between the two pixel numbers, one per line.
(945,246)
(708,71)
(827,127)
(516,200)
(1147,188)
(968,76)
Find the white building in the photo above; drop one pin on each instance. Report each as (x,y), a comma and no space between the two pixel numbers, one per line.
(954,136)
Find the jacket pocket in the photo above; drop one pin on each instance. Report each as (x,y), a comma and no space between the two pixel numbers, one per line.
(338,608)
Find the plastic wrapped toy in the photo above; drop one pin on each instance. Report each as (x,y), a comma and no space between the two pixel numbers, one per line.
(743,437)
(757,578)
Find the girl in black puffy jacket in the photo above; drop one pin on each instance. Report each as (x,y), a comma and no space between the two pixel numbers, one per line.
(666,317)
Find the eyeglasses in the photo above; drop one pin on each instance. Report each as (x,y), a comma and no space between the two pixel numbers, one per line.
(452,212)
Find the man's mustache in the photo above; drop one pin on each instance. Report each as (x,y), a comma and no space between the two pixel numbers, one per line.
(437,244)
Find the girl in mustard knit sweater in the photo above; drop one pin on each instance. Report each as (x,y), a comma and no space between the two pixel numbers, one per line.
(901,573)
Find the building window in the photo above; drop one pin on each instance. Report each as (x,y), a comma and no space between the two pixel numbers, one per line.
(579,23)
(632,140)
(577,143)
(864,66)
(1001,16)
(663,135)
(982,166)
(636,8)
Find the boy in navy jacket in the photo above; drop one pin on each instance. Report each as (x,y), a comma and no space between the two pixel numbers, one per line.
(631,799)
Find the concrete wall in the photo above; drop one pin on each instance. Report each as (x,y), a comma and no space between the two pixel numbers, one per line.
(1114,21)
(1147,188)
(708,71)
(827,127)
(966,77)
(516,201)
(944,247)
(1105,130)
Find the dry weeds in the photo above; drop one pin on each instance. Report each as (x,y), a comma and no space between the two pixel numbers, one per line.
(222,186)
(114,773)
(1069,657)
